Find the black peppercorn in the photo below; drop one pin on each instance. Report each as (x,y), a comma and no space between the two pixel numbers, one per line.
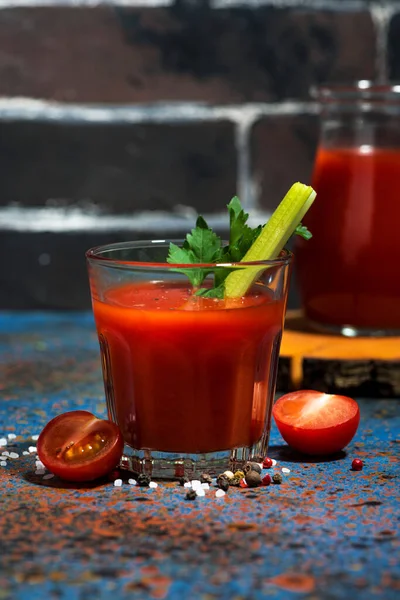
(223,482)
(253,479)
(191,495)
(252,466)
(277,478)
(206,478)
(143,480)
(183,480)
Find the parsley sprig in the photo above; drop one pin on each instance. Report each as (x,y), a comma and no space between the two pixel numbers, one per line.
(203,246)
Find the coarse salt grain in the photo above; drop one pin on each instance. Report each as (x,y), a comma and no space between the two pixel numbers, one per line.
(118,483)
(48,476)
(5,453)
(196,483)
(285,470)
(3,442)
(32,449)
(273,462)
(35,437)
(25,453)
(153,484)
(200,491)
(187,484)
(14,455)
(39,464)
(11,436)
(205,486)
(40,472)
(219,493)
(132,481)
(3,463)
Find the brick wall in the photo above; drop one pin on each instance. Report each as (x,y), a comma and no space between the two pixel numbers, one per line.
(121,120)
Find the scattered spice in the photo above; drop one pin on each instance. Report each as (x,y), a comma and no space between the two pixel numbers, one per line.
(243,484)
(252,466)
(357,464)
(223,483)
(277,478)
(253,478)
(206,478)
(183,480)
(191,495)
(266,480)
(143,480)
(267,463)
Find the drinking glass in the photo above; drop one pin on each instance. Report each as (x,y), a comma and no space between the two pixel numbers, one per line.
(348,272)
(189,380)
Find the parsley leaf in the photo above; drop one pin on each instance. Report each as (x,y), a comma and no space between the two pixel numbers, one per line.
(201,245)
(303,231)
(214,292)
(204,246)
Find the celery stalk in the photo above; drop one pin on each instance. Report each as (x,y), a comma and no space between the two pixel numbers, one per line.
(272,238)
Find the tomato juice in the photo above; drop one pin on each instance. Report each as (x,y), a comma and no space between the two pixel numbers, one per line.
(188,374)
(348,270)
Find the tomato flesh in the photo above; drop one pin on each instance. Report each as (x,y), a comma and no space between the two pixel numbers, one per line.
(316,423)
(77,446)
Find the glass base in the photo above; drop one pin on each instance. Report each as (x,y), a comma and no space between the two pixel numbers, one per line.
(171,465)
(351,330)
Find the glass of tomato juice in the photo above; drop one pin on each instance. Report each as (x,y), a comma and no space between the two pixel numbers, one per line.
(348,271)
(189,380)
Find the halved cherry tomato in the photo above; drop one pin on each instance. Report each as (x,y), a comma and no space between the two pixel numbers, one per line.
(77,446)
(316,423)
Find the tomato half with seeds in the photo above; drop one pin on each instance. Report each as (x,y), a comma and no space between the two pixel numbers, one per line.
(77,446)
(316,423)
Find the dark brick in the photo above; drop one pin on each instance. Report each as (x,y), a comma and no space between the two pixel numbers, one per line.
(61,283)
(394,48)
(120,168)
(186,52)
(282,150)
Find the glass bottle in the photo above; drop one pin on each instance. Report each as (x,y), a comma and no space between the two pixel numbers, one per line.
(348,273)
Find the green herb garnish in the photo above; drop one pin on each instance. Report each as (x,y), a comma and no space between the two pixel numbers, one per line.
(203,246)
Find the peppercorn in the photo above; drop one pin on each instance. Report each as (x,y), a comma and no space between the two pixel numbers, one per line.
(252,466)
(183,480)
(277,478)
(191,495)
(267,463)
(143,480)
(253,479)
(237,478)
(223,483)
(266,480)
(206,478)
(357,464)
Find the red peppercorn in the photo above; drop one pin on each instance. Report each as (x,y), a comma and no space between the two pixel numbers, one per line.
(267,463)
(243,484)
(266,480)
(357,464)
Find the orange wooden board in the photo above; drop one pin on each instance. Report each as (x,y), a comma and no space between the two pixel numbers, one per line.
(301,346)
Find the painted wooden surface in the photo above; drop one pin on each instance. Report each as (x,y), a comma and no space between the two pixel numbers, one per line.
(326,532)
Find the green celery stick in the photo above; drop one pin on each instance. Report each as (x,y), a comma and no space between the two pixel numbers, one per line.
(272,238)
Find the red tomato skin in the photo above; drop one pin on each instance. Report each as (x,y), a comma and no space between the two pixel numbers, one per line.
(321,441)
(89,470)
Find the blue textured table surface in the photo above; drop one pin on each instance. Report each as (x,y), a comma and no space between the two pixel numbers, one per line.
(326,532)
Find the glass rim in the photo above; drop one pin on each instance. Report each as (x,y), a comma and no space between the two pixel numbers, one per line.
(363,89)
(94,254)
